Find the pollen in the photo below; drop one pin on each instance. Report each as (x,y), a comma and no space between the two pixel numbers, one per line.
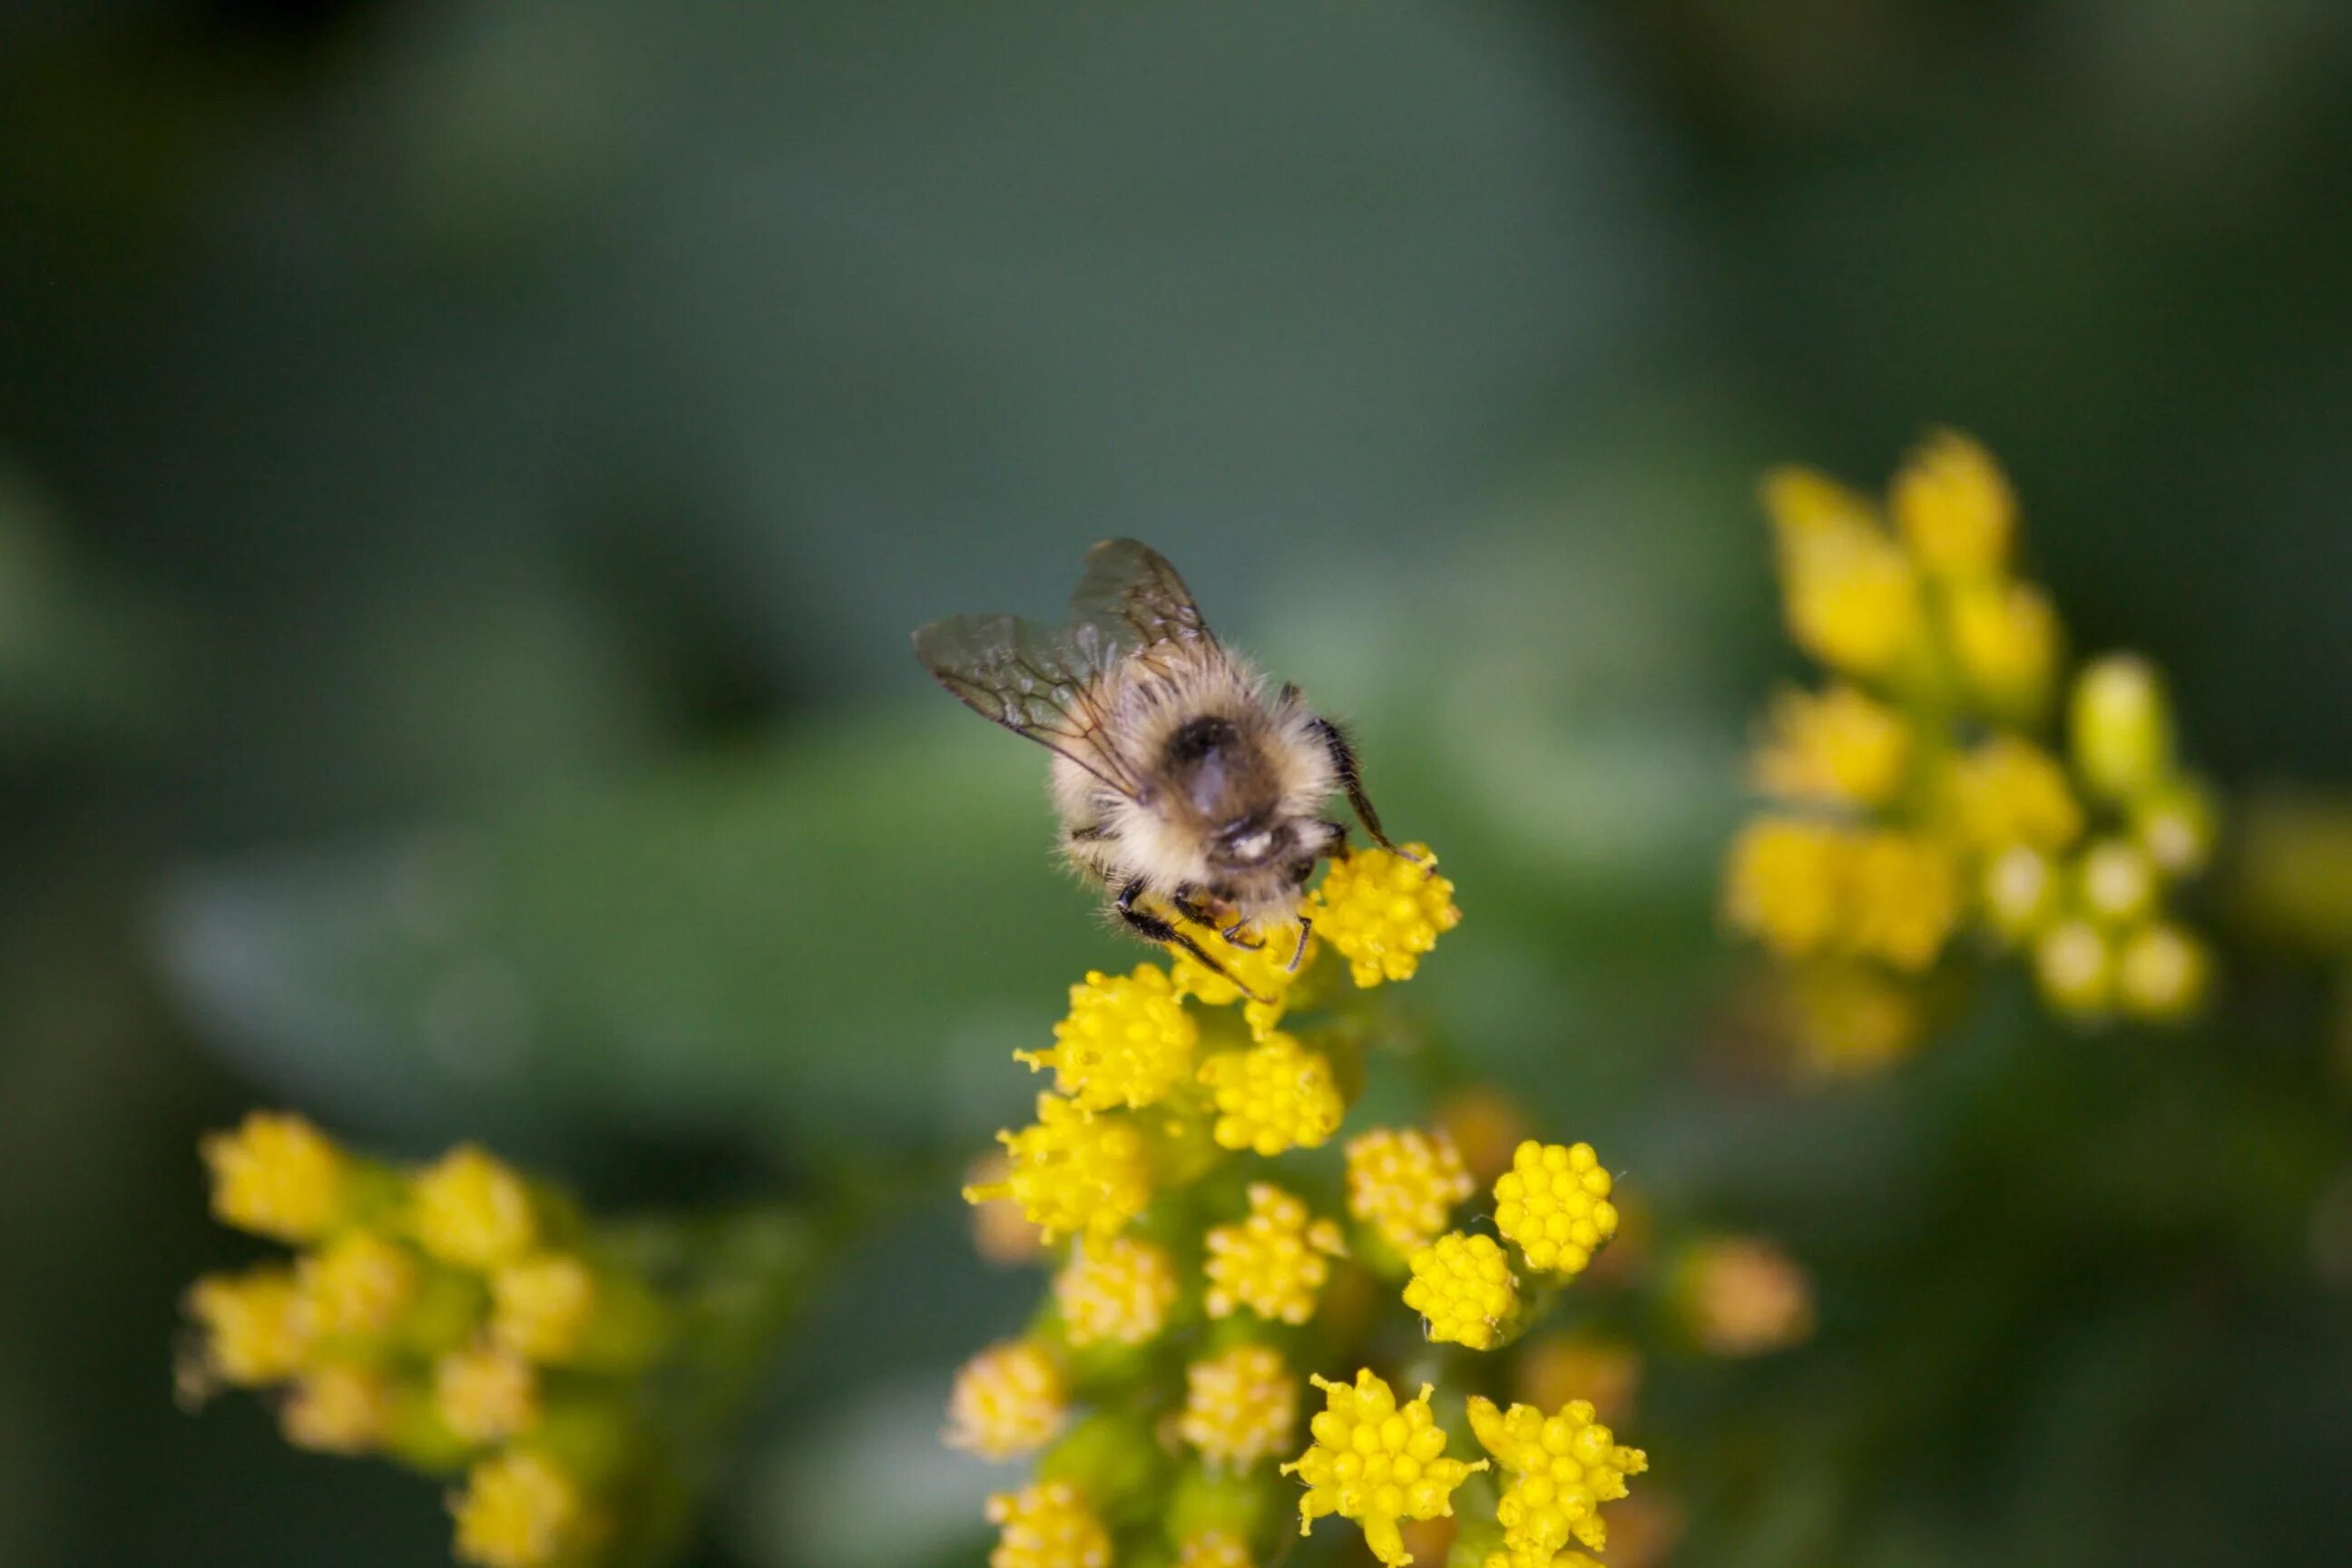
(251,1325)
(1464,1286)
(359,1285)
(336,1409)
(278,1177)
(519,1510)
(1273,1262)
(1116,1290)
(1838,747)
(541,1307)
(1072,1170)
(1563,1468)
(1782,884)
(1903,897)
(1553,1202)
(1047,1526)
(1009,1400)
(1405,1184)
(2010,791)
(471,1210)
(1240,1405)
(1274,1096)
(1381,911)
(1953,506)
(486,1395)
(1376,1462)
(1127,1041)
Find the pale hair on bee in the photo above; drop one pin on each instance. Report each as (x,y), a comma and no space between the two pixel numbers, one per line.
(1182,780)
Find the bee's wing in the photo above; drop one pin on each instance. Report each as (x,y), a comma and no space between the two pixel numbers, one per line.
(1134,598)
(1038,681)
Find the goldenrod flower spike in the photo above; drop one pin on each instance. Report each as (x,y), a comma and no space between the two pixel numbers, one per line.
(1240,1406)
(1836,747)
(278,1177)
(1115,1291)
(1564,1467)
(1072,1170)
(1553,1203)
(1047,1526)
(1405,1184)
(1127,1040)
(1009,1400)
(1274,1096)
(472,1211)
(1273,1261)
(519,1510)
(1464,1286)
(1376,1462)
(1381,911)
(1953,506)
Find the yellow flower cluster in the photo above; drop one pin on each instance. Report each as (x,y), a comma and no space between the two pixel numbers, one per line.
(1917,795)
(1273,1261)
(1405,1184)
(1009,1400)
(1274,1096)
(1073,1169)
(1554,1203)
(1115,1291)
(420,1321)
(1047,1526)
(1377,1462)
(1464,1286)
(1383,911)
(1240,1405)
(1563,1468)
(1127,1041)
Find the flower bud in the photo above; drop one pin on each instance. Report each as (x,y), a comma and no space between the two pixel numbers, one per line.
(2122,727)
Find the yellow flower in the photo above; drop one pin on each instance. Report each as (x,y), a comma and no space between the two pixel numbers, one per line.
(2005,640)
(1009,1400)
(336,1409)
(1240,1405)
(2075,967)
(1742,1296)
(1554,1203)
(2020,891)
(2117,881)
(472,1211)
(1464,1286)
(1381,911)
(2162,972)
(1274,1096)
(486,1395)
(1405,1184)
(1783,884)
(1376,1462)
(1127,1041)
(1264,973)
(1558,1368)
(1836,746)
(1073,1169)
(1851,596)
(1273,1261)
(1214,1549)
(2009,791)
(519,1510)
(1047,1526)
(541,1307)
(1000,1233)
(1116,1290)
(1955,508)
(1564,1467)
(1904,900)
(2122,727)
(2175,822)
(252,1325)
(278,1177)
(1849,1018)
(360,1284)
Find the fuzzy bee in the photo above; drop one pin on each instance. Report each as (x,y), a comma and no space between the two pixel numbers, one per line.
(1183,785)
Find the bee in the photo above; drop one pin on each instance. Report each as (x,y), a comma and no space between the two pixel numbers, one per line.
(1186,788)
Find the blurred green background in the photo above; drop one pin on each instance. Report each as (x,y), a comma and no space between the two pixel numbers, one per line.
(467,473)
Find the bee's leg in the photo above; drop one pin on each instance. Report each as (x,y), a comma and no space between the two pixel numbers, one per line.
(1240,936)
(1151,928)
(1305,927)
(1351,779)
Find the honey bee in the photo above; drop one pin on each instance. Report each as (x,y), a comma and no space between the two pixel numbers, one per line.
(1185,786)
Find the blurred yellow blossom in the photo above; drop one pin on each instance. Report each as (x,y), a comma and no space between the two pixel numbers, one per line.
(1553,1203)
(1463,1286)
(1376,1462)
(2010,791)
(250,1326)
(1558,1368)
(1214,1549)
(1240,1405)
(2005,641)
(472,1211)
(1008,1400)
(1276,1095)
(1047,1526)
(360,1284)
(1405,1184)
(1127,1040)
(1784,883)
(1382,911)
(339,1408)
(2161,974)
(2122,727)
(520,1509)
(1837,747)
(1273,1261)
(2074,966)
(1903,897)
(1743,1296)
(541,1307)
(277,1176)
(1116,1290)
(1954,506)
(486,1393)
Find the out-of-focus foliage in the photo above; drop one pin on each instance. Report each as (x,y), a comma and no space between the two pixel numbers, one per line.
(471,470)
